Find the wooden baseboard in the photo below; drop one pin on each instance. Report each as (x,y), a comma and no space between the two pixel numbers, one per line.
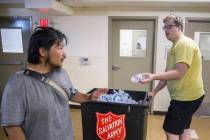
(159,113)
(75,106)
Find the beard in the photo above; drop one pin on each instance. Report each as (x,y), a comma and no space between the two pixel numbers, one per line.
(50,64)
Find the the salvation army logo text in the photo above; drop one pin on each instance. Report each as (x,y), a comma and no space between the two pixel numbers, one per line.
(110,126)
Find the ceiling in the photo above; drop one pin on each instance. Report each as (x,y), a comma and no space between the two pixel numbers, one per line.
(139,3)
(121,3)
(67,7)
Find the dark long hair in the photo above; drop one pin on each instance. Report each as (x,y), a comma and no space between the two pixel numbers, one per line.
(43,37)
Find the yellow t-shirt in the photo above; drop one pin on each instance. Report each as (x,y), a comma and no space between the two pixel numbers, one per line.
(189,87)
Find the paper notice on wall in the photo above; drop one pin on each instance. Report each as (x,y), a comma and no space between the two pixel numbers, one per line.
(12,40)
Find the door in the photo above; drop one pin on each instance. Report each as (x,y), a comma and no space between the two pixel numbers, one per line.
(199,30)
(132,52)
(14,36)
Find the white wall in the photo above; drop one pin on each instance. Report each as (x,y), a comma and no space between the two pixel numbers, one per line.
(87,38)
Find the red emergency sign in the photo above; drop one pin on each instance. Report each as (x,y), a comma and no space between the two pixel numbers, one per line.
(43,22)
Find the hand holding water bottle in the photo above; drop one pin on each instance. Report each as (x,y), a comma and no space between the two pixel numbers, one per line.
(136,78)
(142,78)
(148,77)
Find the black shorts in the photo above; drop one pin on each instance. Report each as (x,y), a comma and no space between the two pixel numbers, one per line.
(179,115)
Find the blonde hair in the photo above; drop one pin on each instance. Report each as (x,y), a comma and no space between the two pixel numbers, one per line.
(175,19)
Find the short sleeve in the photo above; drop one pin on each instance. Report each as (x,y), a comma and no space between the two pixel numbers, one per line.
(12,105)
(184,54)
(61,77)
(69,87)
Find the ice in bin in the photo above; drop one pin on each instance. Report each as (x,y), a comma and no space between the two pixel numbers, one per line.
(115,121)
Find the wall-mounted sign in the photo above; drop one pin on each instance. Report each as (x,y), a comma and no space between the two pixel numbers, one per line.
(12,40)
(43,22)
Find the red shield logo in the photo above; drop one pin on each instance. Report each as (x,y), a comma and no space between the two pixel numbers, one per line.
(110,126)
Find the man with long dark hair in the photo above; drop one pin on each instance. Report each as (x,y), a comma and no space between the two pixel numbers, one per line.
(34,109)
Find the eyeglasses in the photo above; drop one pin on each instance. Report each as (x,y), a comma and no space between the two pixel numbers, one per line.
(168,27)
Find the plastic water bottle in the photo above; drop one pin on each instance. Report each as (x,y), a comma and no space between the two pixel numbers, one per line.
(136,78)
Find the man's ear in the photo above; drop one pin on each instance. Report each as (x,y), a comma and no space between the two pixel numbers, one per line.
(42,52)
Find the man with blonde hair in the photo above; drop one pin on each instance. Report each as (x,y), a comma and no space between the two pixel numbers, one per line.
(183,78)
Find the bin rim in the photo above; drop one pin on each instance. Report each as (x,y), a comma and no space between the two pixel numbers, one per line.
(113,103)
(147,99)
(92,90)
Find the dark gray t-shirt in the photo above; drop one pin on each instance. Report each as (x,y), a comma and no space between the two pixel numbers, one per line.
(40,109)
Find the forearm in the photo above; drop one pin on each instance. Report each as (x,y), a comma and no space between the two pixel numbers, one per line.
(15,133)
(159,86)
(81,97)
(94,96)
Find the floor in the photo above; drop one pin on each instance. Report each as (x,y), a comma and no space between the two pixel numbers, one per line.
(201,125)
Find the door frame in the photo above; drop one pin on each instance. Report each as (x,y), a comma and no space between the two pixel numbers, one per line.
(124,18)
(193,19)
